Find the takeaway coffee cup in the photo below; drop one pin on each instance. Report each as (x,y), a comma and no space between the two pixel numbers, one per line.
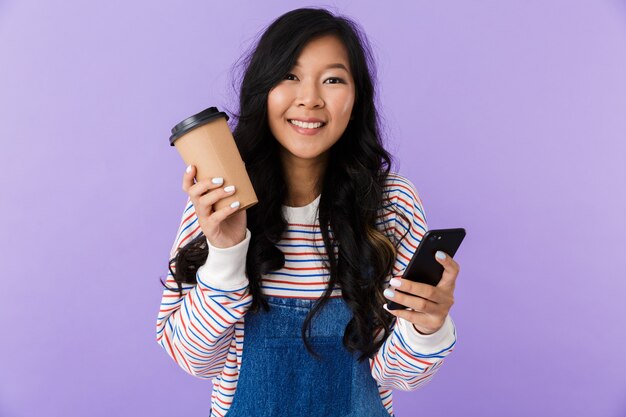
(205,141)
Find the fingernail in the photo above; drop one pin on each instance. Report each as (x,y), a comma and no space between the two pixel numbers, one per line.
(388,293)
(218,180)
(385,307)
(394,282)
(235,204)
(440,255)
(188,169)
(229,189)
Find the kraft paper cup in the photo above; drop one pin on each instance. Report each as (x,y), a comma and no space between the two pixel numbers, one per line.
(205,141)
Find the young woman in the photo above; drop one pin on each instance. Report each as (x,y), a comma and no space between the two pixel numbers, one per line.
(282,305)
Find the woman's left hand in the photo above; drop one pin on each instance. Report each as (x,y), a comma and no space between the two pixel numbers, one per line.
(428,305)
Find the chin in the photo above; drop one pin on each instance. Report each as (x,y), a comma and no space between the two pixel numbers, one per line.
(306,155)
(306,151)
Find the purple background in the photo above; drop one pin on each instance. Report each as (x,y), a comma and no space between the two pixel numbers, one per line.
(509,117)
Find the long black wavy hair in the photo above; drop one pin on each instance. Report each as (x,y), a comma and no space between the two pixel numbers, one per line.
(352,185)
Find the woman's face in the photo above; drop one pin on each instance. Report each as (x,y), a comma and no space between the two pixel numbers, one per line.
(309,110)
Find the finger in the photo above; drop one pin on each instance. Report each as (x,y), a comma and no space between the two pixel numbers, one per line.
(198,188)
(201,188)
(414,303)
(426,323)
(418,289)
(409,315)
(450,270)
(221,214)
(213,197)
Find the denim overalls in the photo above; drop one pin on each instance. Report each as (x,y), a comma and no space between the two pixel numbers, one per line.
(279,378)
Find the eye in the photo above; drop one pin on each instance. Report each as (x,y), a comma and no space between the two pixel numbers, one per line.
(290,77)
(335,80)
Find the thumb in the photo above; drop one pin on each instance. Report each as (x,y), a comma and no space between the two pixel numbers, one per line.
(450,270)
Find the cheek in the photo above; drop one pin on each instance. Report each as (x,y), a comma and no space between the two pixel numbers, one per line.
(345,104)
(277,101)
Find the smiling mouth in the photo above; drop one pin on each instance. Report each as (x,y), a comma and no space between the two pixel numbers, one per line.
(307,125)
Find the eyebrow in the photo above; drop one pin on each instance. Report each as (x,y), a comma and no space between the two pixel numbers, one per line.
(336,65)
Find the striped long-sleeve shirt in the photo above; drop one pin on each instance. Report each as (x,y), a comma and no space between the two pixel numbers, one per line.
(203,330)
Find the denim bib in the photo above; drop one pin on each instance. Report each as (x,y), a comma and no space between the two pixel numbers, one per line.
(279,378)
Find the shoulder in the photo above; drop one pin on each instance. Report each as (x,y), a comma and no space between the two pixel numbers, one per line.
(401,192)
(402,205)
(396,183)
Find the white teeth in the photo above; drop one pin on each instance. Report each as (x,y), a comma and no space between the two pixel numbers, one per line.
(305,124)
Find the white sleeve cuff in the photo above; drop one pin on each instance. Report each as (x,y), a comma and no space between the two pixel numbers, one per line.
(225,268)
(429,344)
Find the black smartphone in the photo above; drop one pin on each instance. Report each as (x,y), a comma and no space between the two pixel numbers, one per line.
(423,266)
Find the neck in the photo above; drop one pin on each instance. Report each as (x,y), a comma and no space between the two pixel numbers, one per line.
(303,180)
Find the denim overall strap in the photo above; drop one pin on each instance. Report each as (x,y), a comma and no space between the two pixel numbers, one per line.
(278,376)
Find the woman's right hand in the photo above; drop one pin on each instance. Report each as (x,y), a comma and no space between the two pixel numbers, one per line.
(220,230)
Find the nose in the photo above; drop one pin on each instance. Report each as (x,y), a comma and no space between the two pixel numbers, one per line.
(309,96)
